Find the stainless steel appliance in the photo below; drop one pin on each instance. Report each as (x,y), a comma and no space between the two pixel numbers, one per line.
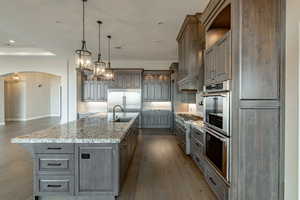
(217,107)
(183,130)
(129,99)
(217,152)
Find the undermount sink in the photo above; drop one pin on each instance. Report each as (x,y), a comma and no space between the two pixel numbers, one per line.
(123,119)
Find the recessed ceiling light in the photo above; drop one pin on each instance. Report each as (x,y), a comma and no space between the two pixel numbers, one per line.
(58,22)
(12,41)
(160,23)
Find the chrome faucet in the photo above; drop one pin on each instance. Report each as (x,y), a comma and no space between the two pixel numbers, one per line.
(114,111)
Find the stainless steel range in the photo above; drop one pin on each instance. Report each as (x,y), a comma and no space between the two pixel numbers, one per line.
(183,129)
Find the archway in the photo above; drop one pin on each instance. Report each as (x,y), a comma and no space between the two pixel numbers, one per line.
(30,95)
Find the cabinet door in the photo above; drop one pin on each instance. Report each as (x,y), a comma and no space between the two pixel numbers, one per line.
(95,169)
(136,80)
(223,58)
(86,91)
(166,92)
(209,66)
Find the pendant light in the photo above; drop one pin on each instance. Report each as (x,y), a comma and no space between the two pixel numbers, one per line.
(83,56)
(99,65)
(109,74)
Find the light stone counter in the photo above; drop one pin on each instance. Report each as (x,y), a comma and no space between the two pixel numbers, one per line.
(98,128)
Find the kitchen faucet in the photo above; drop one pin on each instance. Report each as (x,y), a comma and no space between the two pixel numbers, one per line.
(114,111)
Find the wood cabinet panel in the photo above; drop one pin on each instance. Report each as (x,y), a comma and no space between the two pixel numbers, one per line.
(156,119)
(259,138)
(260,63)
(218,61)
(156,89)
(96,169)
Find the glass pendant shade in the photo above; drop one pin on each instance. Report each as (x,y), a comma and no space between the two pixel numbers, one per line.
(99,68)
(83,57)
(109,73)
(99,65)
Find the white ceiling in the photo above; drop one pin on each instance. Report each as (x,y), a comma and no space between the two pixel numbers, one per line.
(55,25)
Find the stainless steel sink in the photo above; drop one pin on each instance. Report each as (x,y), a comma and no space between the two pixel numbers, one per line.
(123,119)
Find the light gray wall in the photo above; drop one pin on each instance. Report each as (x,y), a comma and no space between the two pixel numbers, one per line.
(2,103)
(15,100)
(292,101)
(35,96)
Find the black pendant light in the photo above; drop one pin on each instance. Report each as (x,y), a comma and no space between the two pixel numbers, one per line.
(99,65)
(83,56)
(109,73)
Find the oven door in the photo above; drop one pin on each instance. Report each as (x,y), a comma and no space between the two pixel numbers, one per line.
(216,111)
(217,152)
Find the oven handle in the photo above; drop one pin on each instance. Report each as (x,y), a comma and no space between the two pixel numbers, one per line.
(223,94)
(217,135)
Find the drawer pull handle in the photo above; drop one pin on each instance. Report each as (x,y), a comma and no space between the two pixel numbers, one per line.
(212,181)
(54,148)
(54,164)
(54,186)
(85,156)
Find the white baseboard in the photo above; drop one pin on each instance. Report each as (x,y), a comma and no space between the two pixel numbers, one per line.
(30,118)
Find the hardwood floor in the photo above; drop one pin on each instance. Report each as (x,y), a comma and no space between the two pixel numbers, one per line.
(15,161)
(159,170)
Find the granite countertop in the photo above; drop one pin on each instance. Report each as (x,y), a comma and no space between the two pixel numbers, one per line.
(97,128)
(199,124)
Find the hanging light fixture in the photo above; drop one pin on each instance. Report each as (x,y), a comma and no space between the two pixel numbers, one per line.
(83,56)
(109,73)
(99,65)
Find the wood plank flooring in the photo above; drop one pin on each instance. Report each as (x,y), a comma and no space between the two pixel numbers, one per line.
(159,170)
(15,161)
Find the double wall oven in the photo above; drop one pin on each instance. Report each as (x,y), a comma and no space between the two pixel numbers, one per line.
(217,127)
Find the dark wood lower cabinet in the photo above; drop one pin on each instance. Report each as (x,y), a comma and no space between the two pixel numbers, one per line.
(83,169)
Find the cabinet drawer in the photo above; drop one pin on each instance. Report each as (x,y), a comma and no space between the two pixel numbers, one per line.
(54,148)
(216,183)
(198,135)
(199,160)
(197,147)
(55,185)
(57,164)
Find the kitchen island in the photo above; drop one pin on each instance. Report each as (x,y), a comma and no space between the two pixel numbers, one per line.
(88,157)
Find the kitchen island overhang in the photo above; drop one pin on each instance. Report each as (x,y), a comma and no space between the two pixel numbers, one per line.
(87,157)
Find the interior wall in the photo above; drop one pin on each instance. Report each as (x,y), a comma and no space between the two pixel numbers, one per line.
(15,98)
(2,103)
(34,96)
(292,101)
(53,65)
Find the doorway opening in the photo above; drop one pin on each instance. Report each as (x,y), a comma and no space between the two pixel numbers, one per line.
(29,95)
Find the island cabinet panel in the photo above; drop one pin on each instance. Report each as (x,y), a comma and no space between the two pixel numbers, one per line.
(96,169)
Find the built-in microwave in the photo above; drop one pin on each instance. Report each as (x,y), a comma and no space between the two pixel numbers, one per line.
(217,107)
(217,152)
